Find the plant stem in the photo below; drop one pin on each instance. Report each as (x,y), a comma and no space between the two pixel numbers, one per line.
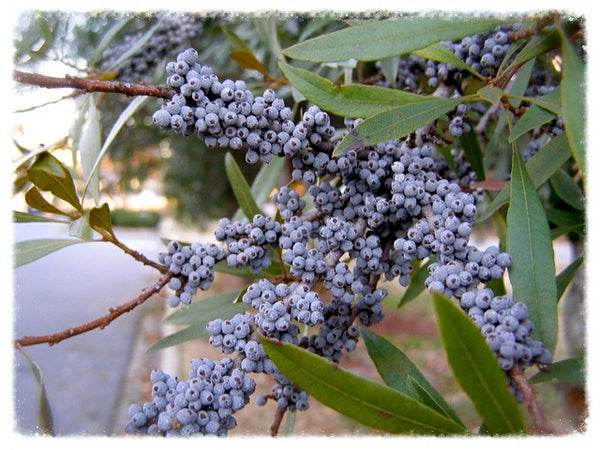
(100,322)
(540,423)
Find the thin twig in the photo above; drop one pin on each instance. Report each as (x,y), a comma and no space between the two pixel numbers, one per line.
(540,423)
(136,255)
(92,85)
(279,413)
(100,322)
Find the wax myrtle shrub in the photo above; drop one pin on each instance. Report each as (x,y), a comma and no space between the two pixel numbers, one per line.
(399,138)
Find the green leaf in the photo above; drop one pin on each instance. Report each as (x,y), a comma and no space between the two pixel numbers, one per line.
(21,217)
(396,123)
(534,117)
(476,369)
(529,243)
(107,39)
(491,94)
(240,188)
(395,368)
(470,144)
(417,284)
(49,174)
(519,82)
(537,45)
(540,167)
(567,371)
(201,313)
(100,221)
(264,182)
(30,250)
(80,228)
(133,106)
(89,143)
(564,278)
(437,52)
(567,190)
(220,305)
(349,100)
(361,399)
(34,198)
(44,409)
(382,39)
(273,270)
(573,100)
(236,42)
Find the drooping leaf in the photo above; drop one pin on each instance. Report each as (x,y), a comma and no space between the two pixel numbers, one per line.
(417,284)
(135,104)
(49,174)
(382,39)
(534,117)
(21,217)
(567,371)
(476,369)
(349,100)
(361,399)
(396,123)
(567,190)
(44,409)
(34,198)
(395,368)
(88,145)
(529,243)
(540,167)
(247,60)
(564,278)
(240,188)
(573,97)
(30,250)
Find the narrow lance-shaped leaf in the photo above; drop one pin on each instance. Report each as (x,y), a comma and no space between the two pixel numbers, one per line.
(363,400)
(564,278)
(567,190)
(530,246)
(568,371)
(247,60)
(382,39)
(397,122)
(30,250)
(349,100)
(573,100)
(49,174)
(89,143)
(240,188)
(21,217)
(416,285)
(476,369)
(395,368)
(534,117)
(34,198)
(437,52)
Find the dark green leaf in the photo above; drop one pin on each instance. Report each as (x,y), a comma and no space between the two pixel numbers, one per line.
(198,311)
(567,190)
(395,368)
(361,399)
(44,409)
(28,251)
(473,153)
(273,270)
(416,286)
(490,94)
(564,278)
(437,52)
(537,45)
(540,167)
(382,39)
(573,100)
(567,371)
(396,123)
(49,174)
(476,369)
(100,221)
(240,188)
(529,243)
(34,198)
(534,117)
(519,82)
(350,100)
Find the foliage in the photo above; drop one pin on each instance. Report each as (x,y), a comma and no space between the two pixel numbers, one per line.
(406,97)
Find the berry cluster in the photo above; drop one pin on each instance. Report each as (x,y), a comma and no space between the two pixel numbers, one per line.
(173,33)
(204,404)
(192,267)
(226,114)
